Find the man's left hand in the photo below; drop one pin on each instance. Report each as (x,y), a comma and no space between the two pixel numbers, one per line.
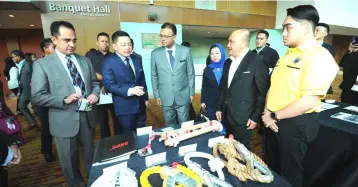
(269,122)
(251,124)
(17,154)
(191,99)
(92,99)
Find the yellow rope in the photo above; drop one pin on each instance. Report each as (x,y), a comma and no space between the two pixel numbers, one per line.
(156,170)
(241,171)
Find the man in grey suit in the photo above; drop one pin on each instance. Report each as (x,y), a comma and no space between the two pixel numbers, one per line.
(173,77)
(58,82)
(25,71)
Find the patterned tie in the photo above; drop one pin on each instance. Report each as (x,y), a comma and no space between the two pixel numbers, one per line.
(130,68)
(76,77)
(171,57)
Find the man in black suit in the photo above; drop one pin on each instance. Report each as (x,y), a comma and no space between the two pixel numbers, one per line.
(349,84)
(25,73)
(244,85)
(97,59)
(321,31)
(262,48)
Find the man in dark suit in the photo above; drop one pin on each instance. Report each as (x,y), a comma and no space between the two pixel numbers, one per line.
(262,48)
(59,81)
(25,72)
(349,84)
(47,48)
(97,59)
(244,85)
(321,31)
(123,76)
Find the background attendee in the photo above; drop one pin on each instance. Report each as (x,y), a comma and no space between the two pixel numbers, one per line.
(173,77)
(47,47)
(97,58)
(243,88)
(192,113)
(59,81)
(25,72)
(30,57)
(11,73)
(294,99)
(123,76)
(321,31)
(10,154)
(210,90)
(263,48)
(349,85)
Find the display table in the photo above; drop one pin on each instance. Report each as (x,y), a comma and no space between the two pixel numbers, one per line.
(332,159)
(137,163)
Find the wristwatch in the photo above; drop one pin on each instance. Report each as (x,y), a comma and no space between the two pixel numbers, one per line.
(274,116)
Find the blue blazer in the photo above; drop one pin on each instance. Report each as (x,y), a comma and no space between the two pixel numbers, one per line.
(116,80)
(210,88)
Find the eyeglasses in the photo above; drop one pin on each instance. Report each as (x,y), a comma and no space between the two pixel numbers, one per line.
(165,36)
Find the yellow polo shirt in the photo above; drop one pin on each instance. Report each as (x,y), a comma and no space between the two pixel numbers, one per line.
(306,70)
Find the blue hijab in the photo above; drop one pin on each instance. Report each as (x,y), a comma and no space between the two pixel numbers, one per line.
(218,67)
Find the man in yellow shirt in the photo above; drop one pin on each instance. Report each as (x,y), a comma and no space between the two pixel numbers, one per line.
(297,86)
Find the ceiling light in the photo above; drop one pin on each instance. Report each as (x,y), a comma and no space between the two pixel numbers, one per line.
(11,16)
(32,25)
(208,32)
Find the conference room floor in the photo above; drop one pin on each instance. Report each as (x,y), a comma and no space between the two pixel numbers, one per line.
(34,171)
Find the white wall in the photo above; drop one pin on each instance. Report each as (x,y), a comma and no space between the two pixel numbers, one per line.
(282,6)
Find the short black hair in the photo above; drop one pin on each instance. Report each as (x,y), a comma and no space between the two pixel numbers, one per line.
(208,60)
(117,34)
(28,56)
(132,43)
(186,44)
(55,27)
(264,32)
(102,34)
(19,53)
(304,12)
(170,26)
(325,26)
(45,43)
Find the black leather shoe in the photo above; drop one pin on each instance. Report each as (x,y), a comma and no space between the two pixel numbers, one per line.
(49,157)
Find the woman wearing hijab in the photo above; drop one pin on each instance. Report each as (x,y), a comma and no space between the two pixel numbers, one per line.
(211,80)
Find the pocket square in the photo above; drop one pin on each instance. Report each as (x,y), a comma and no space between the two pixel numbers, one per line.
(246,72)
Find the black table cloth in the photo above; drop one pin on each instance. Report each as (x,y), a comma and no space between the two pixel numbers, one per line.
(137,163)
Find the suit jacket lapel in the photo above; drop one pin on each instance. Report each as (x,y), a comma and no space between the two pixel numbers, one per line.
(59,67)
(212,75)
(177,56)
(244,63)
(135,66)
(166,61)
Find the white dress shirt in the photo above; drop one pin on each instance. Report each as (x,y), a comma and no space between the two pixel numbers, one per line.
(64,63)
(234,65)
(260,49)
(14,78)
(173,53)
(355,87)
(132,66)
(19,65)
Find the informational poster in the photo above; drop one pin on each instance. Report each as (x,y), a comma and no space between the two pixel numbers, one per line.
(205,4)
(150,40)
(346,117)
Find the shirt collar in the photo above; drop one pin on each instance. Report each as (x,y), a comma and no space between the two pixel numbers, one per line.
(260,49)
(123,58)
(61,55)
(240,57)
(173,48)
(100,53)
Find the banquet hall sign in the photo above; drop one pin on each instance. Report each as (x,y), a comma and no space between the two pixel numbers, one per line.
(150,40)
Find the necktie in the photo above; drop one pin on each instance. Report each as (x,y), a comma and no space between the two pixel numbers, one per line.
(76,76)
(130,68)
(171,58)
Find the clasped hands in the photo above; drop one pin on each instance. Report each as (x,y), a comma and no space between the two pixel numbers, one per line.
(268,121)
(92,99)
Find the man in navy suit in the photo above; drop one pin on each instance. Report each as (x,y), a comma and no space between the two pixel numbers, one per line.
(123,76)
